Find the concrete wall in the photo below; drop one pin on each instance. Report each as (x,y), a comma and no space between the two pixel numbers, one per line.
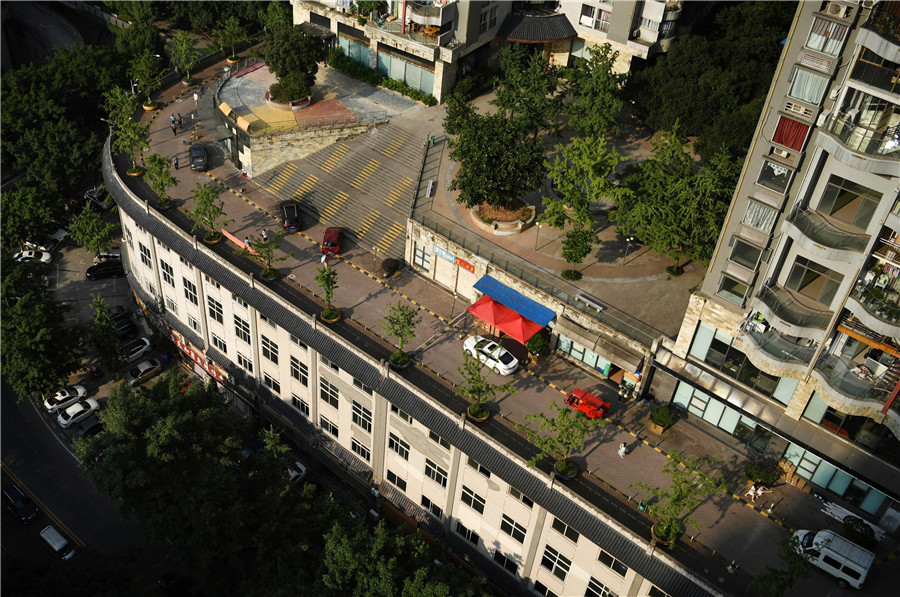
(269,150)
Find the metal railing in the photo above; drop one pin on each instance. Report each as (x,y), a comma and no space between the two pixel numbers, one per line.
(259,127)
(818,228)
(778,347)
(876,302)
(791,310)
(884,144)
(839,373)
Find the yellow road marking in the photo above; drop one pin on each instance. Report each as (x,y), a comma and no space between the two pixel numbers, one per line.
(333,207)
(367,222)
(335,157)
(43,506)
(365,173)
(276,183)
(397,191)
(389,237)
(305,187)
(396,144)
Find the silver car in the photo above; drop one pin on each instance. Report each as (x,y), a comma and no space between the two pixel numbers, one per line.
(142,371)
(77,412)
(489,352)
(136,349)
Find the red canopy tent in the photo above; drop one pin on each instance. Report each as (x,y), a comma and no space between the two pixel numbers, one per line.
(504,319)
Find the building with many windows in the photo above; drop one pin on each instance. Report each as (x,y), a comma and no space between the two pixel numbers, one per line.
(792,344)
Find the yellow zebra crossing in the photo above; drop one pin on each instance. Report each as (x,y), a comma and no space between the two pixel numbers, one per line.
(332,208)
(365,173)
(397,191)
(367,222)
(332,161)
(389,237)
(305,187)
(395,145)
(282,177)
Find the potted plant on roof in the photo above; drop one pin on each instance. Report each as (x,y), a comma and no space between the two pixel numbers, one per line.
(400,323)
(477,389)
(183,54)
(558,437)
(231,34)
(208,212)
(688,488)
(128,136)
(146,70)
(159,173)
(326,278)
(661,418)
(263,250)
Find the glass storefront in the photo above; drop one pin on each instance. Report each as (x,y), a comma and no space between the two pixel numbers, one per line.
(873,437)
(585,355)
(711,410)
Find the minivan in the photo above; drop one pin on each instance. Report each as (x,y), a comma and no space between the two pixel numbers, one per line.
(57,543)
(846,561)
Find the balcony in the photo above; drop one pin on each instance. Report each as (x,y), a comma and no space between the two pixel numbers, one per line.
(878,304)
(880,144)
(885,23)
(427,13)
(778,347)
(849,381)
(790,308)
(827,231)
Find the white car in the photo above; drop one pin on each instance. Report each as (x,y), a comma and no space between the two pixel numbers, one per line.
(25,256)
(64,398)
(142,371)
(136,349)
(296,472)
(497,358)
(77,412)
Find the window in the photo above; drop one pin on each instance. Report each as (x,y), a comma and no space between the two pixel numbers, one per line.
(329,393)
(790,133)
(488,19)
(512,528)
(219,344)
(438,440)
(596,588)
(471,462)
(271,383)
(774,176)
(650,24)
(215,309)
(211,282)
(848,202)
(299,371)
(362,417)
(472,499)
(150,287)
(760,217)
(655,592)
(328,363)
(508,564)
(731,290)
(360,385)
(300,404)
(520,496)
(265,319)
(609,561)
(395,480)
(270,350)
(565,530)
(190,291)
(186,263)
(432,508)
(245,362)
(399,446)
(556,563)
(401,414)
(239,300)
(168,274)
(360,450)
(242,329)
(145,254)
(469,535)
(540,589)
(296,341)
(195,325)
(421,257)
(826,37)
(328,426)
(813,280)
(171,306)
(744,254)
(808,86)
(435,473)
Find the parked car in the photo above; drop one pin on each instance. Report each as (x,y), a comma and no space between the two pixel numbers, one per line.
(587,403)
(143,371)
(331,242)
(89,427)
(491,354)
(136,349)
(198,157)
(100,198)
(296,472)
(117,311)
(18,502)
(64,398)
(48,244)
(107,269)
(28,256)
(290,216)
(124,327)
(107,255)
(77,412)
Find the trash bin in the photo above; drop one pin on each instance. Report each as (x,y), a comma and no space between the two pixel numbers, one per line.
(165,359)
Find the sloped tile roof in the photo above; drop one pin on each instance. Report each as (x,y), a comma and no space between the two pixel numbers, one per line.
(528,28)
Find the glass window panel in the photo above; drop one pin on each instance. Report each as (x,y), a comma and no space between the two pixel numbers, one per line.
(785,389)
(815,409)
(760,217)
(839,482)
(702,339)
(713,411)
(745,254)
(683,394)
(729,420)
(731,290)
(774,176)
(872,502)
(794,453)
(823,474)
(808,86)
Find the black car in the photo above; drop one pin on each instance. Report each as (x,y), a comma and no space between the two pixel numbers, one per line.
(124,327)
(290,216)
(198,157)
(89,427)
(19,503)
(107,269)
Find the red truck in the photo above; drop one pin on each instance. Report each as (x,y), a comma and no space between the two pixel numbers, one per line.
(589,404)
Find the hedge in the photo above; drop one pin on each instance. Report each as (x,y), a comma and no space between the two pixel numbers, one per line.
(339,60)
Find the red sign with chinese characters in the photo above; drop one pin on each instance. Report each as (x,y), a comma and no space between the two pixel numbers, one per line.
(200,359)
(465,265)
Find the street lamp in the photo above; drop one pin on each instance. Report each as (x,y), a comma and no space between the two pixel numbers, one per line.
(628,241)
(537,235)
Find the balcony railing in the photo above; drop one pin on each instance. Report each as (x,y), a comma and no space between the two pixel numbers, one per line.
(784,305)
(883,22)
(848,379)
(424,9)
(780,348)
(880,304)
(884,144)
(824,231)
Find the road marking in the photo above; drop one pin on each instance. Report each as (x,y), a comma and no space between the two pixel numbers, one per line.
(281,178)
(397,191)
(42,505)
(389,237)
(305,187)
(367,222)
(395,145)
(332,208)
(365,173)
(335,157)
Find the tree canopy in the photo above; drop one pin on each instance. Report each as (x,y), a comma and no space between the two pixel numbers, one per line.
(527,89)
(293,56)
(593,93)
(91,231)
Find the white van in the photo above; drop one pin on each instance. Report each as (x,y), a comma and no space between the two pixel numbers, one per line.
(57,543)
(846,561)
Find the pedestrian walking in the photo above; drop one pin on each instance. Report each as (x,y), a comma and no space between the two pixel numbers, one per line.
(246,241)
(174,130)
(202,88)
(175,161)
(264,235)
(172,118)
(180,120)
(622,450)
(196,98)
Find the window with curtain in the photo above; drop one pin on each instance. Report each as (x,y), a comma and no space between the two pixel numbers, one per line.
(760,217)
(826,37)
(808,86)
(790,133)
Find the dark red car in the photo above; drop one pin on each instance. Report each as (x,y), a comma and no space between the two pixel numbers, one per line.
(589,404)
(331,243)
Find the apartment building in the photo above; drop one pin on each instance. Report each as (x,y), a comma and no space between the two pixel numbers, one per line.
(792,344)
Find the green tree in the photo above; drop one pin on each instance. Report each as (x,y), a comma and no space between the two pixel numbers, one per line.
(278,15)
(593,90)
(102,333)
(198,16)
(688,488)
(527,89)
(22,280)
(231,34)
(460,113)
(263,250)
(558,437)
(146,69)
(496,166)
(400,323)
(293,56)
(577,245)
(56,167)
(135,12)
(137,39)
(159,173)
(90,231)
(183,52)
(25,211)
(208,211)
(326,277)
(476,388)
(775,582)
(367,7)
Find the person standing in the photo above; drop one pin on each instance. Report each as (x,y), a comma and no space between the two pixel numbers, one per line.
(264,235)
(622,450)
(172,119)
(246,241)
(175,161)
(196,98)
(202,89)
(174,130)
(180,120)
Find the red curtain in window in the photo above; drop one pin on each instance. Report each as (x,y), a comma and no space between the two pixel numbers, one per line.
(790,133)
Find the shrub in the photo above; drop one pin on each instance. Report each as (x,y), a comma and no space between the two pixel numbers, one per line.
(571,275)
(759,473)
(856,529)
(538,343)
(472,86)
(339,60)
(390,266)
(662,415)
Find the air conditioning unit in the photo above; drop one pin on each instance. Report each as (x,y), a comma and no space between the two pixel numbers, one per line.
(834,9)
(868,3)
(780,152)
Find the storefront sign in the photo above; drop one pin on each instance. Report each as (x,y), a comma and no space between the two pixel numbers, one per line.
(198,358)
(465,265)
(444,254)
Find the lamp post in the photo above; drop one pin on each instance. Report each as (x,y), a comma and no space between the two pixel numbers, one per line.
(628,241)
(537,235)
